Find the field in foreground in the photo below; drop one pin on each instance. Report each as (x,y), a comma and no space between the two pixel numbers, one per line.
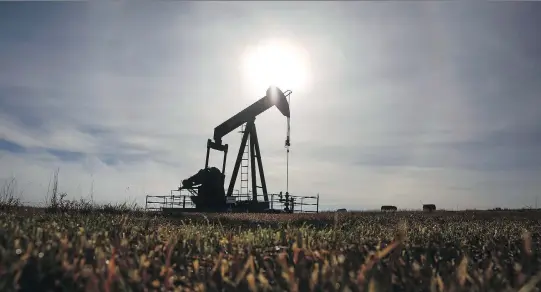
(454,251)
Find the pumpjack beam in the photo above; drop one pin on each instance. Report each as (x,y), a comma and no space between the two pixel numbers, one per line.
(274,97)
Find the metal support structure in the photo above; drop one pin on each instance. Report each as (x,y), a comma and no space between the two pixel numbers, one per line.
(257,153)
(250,133)
(218,147)
(234,175)
(244,172)
(252,165)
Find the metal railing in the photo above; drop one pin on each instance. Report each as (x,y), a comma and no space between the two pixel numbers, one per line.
(181,200)
(295,204)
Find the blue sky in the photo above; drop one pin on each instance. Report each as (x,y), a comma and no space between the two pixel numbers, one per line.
(408,102)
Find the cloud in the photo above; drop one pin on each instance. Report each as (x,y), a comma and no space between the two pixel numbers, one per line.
(431,101)
(66,155)
(497,151)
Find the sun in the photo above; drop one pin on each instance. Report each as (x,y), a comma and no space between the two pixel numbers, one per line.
(276,63)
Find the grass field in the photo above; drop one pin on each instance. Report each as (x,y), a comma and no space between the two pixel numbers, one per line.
(403,251)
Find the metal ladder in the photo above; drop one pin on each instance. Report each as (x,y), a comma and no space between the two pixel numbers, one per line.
(244,166)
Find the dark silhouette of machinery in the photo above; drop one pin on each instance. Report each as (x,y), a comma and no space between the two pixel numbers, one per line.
(289,202)
(209,184)
(429,207)
(388,208)
(209,181)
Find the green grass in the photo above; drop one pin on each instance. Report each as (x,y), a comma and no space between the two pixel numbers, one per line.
(98,251)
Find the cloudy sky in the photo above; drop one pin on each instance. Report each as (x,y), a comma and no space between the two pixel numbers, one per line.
(403,102)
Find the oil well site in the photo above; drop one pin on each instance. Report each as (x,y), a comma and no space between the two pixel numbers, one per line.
(340,146)
(204,191)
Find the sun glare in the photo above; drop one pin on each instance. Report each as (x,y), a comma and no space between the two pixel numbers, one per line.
(276,63)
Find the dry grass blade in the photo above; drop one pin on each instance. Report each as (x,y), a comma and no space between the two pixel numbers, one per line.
(111,271)
(527,239)
(251,282)
(530,285)
(245,269)
(462,271)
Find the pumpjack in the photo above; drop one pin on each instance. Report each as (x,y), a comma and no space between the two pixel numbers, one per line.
(207,185)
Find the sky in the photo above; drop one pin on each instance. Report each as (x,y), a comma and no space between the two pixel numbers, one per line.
(405,102)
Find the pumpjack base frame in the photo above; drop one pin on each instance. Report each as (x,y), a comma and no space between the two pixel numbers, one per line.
(181,203)
(240,207)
